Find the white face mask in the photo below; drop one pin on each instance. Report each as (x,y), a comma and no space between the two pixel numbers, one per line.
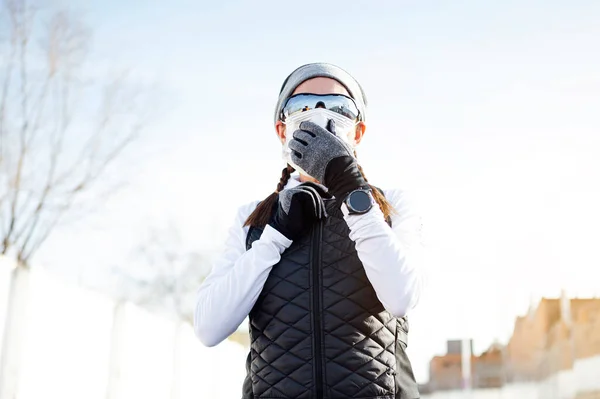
(344,128)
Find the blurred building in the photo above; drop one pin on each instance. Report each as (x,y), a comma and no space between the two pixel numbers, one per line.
(552,337)
(548,340)
(445,372)
(455,346)
(488,368)
(526,346)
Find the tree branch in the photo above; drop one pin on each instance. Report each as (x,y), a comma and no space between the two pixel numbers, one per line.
(5,87)
(58,33)
(33,103)
(19,18)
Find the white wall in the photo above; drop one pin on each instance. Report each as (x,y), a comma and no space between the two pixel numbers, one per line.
(559,386)
(587,374)
(5,267)
(513,391)
(67,342)
(585,377)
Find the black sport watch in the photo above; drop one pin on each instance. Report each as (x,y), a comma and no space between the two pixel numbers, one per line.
(359,201)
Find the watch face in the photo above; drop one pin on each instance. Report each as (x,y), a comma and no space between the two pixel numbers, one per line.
(359,201)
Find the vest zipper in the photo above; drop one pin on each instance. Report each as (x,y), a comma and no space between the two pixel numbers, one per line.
(316,294)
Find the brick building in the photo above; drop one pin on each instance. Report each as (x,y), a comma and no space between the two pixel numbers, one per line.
(552,337)
(446,371)
(488,368)
(549,339)
(586,331)
(527,343)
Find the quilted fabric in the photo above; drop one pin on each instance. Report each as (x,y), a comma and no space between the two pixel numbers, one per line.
(358,351)
(281,350)
(359,334)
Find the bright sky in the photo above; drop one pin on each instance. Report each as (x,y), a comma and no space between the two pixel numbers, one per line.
(486,111)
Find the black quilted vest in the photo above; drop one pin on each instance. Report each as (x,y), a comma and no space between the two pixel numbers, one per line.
(317,329)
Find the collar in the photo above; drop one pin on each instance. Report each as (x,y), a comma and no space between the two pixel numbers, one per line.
(293,181)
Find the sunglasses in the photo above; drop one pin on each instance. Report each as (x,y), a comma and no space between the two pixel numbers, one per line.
(339,103)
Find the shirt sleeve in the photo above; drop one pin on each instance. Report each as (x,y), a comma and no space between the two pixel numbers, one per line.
(237,277)
(392,257)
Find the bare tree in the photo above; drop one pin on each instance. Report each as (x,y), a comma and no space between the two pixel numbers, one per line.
(175,273)
(56,138)
(59,133)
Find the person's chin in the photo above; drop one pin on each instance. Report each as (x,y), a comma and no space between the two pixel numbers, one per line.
(305,178)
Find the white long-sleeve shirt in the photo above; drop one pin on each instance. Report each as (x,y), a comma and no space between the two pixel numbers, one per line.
(392,258)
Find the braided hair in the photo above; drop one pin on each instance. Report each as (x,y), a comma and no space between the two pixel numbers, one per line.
(261,215)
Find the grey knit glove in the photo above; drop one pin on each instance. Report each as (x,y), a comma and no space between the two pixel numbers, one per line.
(327,158)
(298,208)
(317,193)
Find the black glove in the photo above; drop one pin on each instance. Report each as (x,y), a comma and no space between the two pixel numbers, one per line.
(298,208)
(327,158)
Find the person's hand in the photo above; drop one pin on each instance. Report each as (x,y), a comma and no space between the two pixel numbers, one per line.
(327,158)
(298,208)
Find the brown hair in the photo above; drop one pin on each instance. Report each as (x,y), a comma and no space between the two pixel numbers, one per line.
(261,215)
